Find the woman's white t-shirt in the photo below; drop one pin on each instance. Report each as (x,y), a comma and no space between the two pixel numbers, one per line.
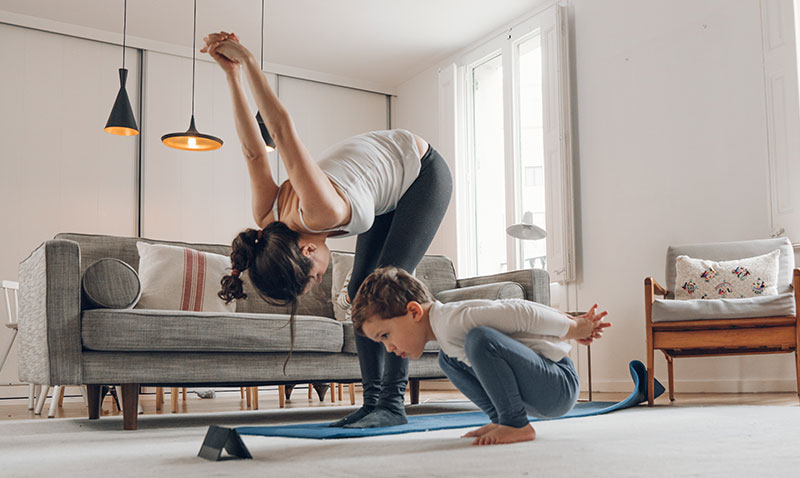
(373,170)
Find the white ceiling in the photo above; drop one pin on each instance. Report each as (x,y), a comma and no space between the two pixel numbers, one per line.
(381,41)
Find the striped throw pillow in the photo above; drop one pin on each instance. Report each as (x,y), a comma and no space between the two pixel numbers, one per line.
(180,278)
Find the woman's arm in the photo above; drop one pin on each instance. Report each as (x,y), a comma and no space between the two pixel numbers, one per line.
(263,186)
(322,206)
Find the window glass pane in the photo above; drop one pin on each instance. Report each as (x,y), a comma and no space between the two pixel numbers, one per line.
(531,158)
(489,166)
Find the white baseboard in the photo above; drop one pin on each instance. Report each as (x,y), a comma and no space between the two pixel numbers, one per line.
(702,386)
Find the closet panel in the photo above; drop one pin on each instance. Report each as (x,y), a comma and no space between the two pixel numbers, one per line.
(59,171)
(326,114)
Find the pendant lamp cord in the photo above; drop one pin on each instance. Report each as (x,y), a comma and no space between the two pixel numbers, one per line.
(194,39)
(124,29)
(262,35)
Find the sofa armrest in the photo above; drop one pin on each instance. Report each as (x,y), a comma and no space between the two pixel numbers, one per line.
(494,291)
(50,314)
(535,283)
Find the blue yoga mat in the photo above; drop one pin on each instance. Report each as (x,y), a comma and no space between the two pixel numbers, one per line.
(443,421)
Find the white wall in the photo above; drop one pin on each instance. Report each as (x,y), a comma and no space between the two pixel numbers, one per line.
(671,148)
(416,108)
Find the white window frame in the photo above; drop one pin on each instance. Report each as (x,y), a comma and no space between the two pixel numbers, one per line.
(551,24)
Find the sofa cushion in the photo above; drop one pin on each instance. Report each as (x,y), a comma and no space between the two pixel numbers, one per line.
(184,331)
(181,278)
(341,267)
(350,340)
(437,273)
(670,310)
(111,284)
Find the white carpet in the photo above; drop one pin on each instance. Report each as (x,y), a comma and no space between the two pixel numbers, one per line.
(661,441)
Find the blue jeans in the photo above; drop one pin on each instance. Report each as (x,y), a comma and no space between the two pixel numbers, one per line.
(509,381)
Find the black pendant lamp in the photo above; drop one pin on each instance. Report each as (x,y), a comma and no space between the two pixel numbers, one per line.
(269,142)
(191,139)
(121,121)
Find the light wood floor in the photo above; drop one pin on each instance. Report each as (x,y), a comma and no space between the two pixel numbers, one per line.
(226,401)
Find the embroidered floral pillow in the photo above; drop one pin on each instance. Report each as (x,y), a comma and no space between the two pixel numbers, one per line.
(736,279)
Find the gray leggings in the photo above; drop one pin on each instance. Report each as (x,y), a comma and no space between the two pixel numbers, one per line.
(509,381)
(398,238)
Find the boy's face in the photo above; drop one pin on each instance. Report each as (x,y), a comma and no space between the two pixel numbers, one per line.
(403,335)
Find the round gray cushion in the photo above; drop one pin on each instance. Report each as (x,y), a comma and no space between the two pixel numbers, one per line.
(111,284)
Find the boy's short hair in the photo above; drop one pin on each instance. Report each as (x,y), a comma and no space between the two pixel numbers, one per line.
(385,293)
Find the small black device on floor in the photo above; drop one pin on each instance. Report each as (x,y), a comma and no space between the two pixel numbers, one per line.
(219,438)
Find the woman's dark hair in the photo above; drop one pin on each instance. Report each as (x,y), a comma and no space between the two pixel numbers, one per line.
(277,268)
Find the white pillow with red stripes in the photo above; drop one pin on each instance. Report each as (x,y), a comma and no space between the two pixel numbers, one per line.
(180,278)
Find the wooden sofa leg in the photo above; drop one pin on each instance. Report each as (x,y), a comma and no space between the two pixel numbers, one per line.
(351,389)
(173,398)
(130,405)
(159,398)
(414,384)
(282,395)
(93,401)
(671,379)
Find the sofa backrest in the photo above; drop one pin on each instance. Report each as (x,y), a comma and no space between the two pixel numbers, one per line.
(436,271)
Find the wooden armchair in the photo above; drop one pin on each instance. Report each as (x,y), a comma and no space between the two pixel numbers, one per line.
(730,331)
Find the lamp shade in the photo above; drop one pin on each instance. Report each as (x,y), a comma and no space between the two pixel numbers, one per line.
(526,229)
(121,121)
(192,140)
(268,141)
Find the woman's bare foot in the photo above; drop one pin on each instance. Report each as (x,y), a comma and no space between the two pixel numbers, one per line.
(480,431)
(505,434)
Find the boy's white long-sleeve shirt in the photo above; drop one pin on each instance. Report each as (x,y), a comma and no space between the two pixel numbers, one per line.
(535,325)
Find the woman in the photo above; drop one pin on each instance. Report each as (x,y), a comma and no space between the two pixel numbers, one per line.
(388,187)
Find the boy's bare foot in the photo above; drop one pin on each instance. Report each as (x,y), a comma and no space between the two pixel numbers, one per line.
(480,431)
(505,434)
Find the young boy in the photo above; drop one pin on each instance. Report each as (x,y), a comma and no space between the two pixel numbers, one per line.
(508,356)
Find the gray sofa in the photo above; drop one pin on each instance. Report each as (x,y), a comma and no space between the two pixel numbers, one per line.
(64,341)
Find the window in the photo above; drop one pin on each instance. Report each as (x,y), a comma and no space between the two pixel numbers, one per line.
(515,150)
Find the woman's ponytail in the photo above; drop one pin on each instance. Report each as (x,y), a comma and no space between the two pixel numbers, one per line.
(243,251)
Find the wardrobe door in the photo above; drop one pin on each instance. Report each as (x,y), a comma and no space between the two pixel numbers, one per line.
(326,114)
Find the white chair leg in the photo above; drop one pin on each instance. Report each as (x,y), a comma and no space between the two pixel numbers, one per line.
(84,395)
(31,396)
(40,400)
(54,402)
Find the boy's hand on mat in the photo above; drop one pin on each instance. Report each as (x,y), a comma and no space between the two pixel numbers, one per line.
(587,327)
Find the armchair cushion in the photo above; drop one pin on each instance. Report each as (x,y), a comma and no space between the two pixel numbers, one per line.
(494,291)
(735,279)
(725,251)
(668,310)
